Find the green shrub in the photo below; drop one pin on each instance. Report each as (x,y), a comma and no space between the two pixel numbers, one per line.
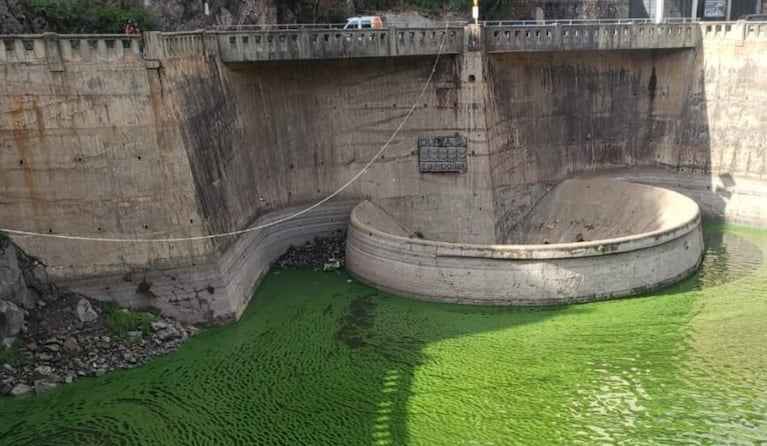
(89,16)
(54,9)
(120,322)
(13,356)
(111,19)
(61,15)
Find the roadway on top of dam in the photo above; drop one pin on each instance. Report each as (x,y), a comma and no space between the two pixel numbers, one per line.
(263,43)
(259,43)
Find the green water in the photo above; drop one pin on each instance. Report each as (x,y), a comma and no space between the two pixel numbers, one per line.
(320,360)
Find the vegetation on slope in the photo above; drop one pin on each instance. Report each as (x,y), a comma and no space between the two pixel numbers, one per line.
(328,11)
(109,16)
(122,322)
(72,16)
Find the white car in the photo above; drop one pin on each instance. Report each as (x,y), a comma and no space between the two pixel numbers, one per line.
(364,22)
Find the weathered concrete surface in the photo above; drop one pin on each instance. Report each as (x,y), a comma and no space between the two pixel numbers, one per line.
(119,148)
(672,116)
(89,151)
(302,129)
(590,36)
(586,210)
(426,216)
(95,150)
(182,145)
(269,44)
(637,238)
(734,199)
(265,44)
(218,291)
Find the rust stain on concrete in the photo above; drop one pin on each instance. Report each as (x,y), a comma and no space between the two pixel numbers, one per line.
(21,143)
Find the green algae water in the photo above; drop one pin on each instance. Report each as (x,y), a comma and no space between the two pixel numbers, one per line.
(321,360)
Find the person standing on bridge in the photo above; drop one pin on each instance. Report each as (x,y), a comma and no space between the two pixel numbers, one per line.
(131,27)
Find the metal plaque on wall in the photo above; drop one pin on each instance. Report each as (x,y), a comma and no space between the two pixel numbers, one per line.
(442,154)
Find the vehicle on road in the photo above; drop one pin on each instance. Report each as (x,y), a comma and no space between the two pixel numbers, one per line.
(364,22)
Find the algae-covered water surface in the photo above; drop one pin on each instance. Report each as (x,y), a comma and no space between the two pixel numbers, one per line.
(321,360)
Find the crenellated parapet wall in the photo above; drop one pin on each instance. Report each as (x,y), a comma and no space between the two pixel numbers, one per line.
(733,31)
(183,44)
(58,49)
(55,49)
(265,44)
(584,36)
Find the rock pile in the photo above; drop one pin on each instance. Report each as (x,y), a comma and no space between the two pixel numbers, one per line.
(326,253)
(51,336)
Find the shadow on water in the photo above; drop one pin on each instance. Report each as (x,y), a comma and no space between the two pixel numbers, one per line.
(309,363)
(728,257)
(405,350)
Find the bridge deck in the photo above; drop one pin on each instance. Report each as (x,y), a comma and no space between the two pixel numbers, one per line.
(269,43)
(263,45)
(577,37)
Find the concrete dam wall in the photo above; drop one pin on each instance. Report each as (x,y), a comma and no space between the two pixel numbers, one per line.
(116,146)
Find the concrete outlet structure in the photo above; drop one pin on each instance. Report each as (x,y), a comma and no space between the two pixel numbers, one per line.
(587,239)
(170,142)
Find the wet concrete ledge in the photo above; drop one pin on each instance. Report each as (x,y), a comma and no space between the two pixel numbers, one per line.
(217,291)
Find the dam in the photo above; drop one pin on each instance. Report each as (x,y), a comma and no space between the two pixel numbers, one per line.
(128,157)
(155,146)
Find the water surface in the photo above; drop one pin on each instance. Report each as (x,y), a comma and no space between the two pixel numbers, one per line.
(321,360)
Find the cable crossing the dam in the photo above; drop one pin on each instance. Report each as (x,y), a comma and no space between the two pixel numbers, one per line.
(319,203)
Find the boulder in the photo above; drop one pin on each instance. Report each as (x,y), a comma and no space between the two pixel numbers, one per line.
(166,334)
(8,342)
(71,345)
(85,311)
(43,370)
(11,318)
(37,279)
(20,389)
(159,325)
(331,265)
(13,288)
(44,385)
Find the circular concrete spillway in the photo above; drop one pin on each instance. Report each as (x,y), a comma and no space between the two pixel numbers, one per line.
(584,240)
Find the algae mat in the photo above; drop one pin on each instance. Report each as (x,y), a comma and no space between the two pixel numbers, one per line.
(321,360)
